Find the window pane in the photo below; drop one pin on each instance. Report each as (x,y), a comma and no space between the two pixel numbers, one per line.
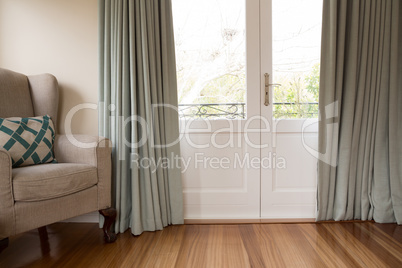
(210,55)
(296,57)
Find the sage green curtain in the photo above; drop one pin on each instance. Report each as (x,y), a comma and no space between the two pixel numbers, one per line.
(138,97)
(360,131)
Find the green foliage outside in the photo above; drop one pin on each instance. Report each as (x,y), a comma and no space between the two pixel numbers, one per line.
(228,88)
(297,97)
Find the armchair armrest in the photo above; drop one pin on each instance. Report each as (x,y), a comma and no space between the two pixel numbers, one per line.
(91,150)
(7,216)
(83,149)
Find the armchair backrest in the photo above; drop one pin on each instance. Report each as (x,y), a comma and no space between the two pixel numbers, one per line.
(26,96)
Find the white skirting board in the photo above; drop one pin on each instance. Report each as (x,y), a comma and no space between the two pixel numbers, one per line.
(93,217)
(90,217)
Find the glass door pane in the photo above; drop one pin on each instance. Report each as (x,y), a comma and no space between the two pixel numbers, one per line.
(210,38)
(296,34)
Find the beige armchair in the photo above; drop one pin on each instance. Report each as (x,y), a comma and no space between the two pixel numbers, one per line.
(38,195)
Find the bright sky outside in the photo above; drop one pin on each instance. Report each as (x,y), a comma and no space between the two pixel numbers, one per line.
(296,34)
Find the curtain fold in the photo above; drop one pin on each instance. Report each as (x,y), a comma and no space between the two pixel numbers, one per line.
(138,112)
(360,131)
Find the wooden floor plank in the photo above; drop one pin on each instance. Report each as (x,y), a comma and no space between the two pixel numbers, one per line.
(328,248)
(193,250)
(25,250)
(293,247)
(389,254)
(142,249)
(250,241)
(392,230)
(269,249)
(357,249)
(130,247)
(384,240)
(93,244)
(167,249)
(245,245)
(225,247)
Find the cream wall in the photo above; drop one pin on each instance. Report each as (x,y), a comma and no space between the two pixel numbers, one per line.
(58,37)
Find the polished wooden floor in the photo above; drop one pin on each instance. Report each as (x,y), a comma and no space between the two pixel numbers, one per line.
(250,245)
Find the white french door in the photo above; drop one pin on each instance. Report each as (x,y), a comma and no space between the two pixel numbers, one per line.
(218,179)
(290,49)
(240,160)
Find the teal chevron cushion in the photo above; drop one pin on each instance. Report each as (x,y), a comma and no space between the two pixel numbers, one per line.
(28,140)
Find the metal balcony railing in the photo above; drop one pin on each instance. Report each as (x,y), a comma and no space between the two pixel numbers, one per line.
(238,110)
(213,110)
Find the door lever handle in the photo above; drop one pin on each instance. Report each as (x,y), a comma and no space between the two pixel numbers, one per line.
(267,85)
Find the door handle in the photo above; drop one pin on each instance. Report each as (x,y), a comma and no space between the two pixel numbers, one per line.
(267,85)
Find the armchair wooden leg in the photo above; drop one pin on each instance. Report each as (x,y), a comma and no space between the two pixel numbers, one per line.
(43,233)
(44,240)
(110,217)
(3,244)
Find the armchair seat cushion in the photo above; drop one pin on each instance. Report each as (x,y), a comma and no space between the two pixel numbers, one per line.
(48,181)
